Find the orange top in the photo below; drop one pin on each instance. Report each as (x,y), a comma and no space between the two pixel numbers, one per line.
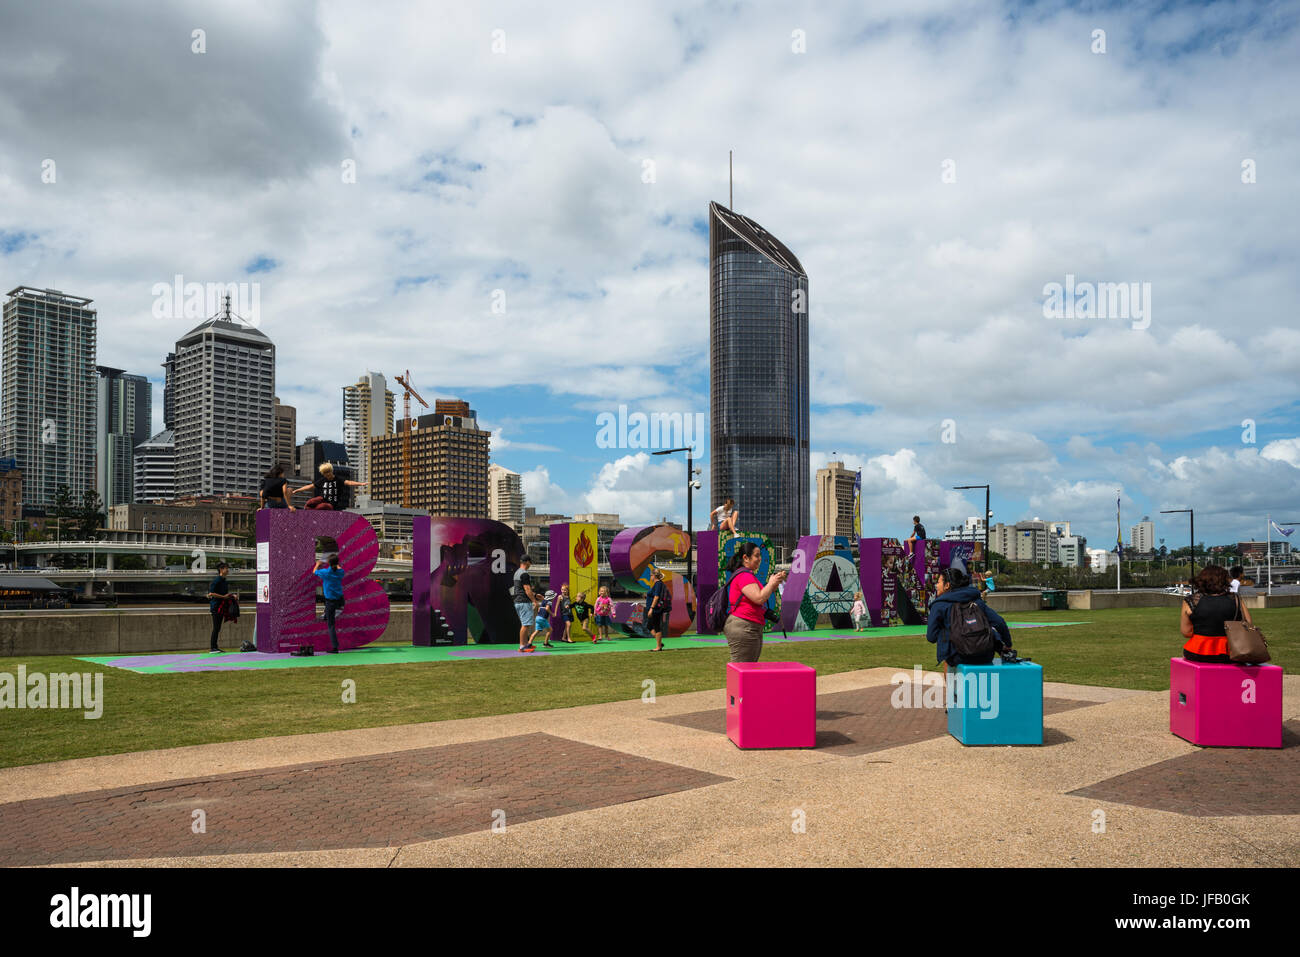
(1200,645)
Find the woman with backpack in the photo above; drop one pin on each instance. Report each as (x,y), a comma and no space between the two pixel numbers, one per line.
(964,630)
(747,602)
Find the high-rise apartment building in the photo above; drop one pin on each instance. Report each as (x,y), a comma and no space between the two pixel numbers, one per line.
(286,434)
(47,391)
(367,413)
(1142,537)
(223,399)
(449,463)
(835,500)
(155,468)
(758,366)
(505,496)
(123,420)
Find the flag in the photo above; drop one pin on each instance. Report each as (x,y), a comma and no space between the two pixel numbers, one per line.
(1284,532)
(1119,536)
(857,506)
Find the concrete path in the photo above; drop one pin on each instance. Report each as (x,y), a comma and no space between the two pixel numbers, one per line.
(638,783)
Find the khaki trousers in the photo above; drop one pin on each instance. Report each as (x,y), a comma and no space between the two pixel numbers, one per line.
(744,638)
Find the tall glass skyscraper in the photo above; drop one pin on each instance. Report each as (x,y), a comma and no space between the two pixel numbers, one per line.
(758,365)
(123,420)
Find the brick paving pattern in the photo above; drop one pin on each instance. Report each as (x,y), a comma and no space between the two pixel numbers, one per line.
(381,801)
(1214,782)
(864,720)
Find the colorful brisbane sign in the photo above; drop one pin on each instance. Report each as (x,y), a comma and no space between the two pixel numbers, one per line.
(463,574)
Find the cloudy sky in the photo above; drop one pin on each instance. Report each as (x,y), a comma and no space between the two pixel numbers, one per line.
(510,200)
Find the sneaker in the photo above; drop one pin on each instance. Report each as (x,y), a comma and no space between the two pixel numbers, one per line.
(527,649)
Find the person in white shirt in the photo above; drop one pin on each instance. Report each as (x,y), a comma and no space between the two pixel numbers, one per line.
(725,516)
(1236,571)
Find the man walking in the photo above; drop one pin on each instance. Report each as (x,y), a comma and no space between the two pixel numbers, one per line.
(525,601)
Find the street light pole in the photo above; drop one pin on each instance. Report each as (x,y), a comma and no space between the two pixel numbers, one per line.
(690,511)
(987,513)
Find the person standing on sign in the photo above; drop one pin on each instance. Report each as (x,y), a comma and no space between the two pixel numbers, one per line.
(331,579)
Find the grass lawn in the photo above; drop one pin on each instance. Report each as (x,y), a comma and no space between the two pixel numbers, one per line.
(1126,648)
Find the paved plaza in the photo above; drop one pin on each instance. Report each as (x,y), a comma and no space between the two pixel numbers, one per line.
(639,783)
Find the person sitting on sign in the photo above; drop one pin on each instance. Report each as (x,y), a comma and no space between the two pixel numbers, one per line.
(918,534)
(329,491)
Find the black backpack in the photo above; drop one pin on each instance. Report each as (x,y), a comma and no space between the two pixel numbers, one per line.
(716,612)
(969,633)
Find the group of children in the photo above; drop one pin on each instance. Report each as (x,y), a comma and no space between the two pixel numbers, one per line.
(565,612)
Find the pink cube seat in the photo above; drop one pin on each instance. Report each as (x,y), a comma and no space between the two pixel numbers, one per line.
(771,704)
(1225,706)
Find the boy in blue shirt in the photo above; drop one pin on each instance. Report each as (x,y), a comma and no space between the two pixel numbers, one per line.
(331,580)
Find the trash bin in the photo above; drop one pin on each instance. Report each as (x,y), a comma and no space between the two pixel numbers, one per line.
(1055,599)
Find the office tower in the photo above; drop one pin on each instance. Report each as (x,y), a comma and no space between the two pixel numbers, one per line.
(758,365)
(222,399)
(286,435)
(123,420)
(155,468)
(315,452)
(47,392)
(169,373)
(505,496)
(1142,537)
(367,413)
(835,500)
(449,463)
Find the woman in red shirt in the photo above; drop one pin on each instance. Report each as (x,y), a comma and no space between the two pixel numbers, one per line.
(1204,614)
(746,598)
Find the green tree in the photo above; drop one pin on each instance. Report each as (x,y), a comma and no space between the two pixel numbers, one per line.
(90,516)
(61,511)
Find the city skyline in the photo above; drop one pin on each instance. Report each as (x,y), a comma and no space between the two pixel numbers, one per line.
(931,240)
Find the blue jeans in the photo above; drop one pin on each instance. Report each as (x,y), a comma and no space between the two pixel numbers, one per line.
(332,607)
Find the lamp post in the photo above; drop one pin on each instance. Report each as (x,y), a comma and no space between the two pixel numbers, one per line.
(691,485)
(987,514)
(1191,554)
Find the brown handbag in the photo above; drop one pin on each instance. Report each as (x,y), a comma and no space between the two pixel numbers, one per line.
(1246,643)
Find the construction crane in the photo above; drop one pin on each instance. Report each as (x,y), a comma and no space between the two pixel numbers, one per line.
(405,383)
